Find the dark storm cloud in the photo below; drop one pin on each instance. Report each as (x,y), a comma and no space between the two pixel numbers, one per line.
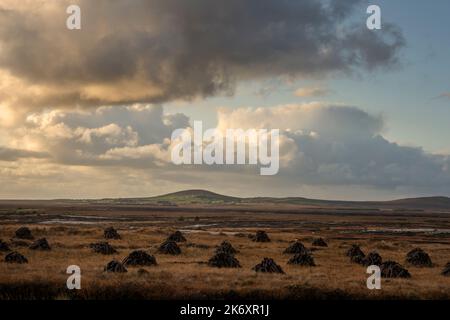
(178,49)
(327,145)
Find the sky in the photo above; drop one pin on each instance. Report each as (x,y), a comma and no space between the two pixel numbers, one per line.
(89,113)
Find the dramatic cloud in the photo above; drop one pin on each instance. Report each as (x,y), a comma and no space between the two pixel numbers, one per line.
(102,136)
(321,146)
(338,145)
(331,122)
(161,50)
(81,111)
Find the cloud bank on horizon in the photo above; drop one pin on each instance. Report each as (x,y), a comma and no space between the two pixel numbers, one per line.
(82,112)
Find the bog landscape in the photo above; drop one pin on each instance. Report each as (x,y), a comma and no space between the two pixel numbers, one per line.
(201,245)
(253,150)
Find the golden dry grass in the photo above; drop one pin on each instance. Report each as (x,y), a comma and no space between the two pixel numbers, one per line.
(187,275)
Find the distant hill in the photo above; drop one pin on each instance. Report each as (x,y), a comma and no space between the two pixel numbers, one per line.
(197,196)
(427,202)
(207,197)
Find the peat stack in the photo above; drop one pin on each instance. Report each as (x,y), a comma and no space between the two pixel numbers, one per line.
(372,259)
(296,248)
(224,260)
(169,247)
(115,266)
(139,258)
(177,236)
(40,244)
(419,258)
(4,246)
(356,254)
(15,257)
(261,236)
(392,269)
(354,250)
(103,248)
(268,266)
(303,259)
(446,271)
(227,248)
(319,242)
(111,233)
(24,233)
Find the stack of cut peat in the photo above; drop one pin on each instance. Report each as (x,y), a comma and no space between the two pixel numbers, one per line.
(296,248)
(224,260)
(24,233)
(302,256)
(372,259)
(115,267)
(169,247)
(355,254)
(224,257)
(358,256)
(261,236)
(392,269)
(102,248)
(139,258)
(177,236)
(4,246)
(268,266)
(41,245)
(303,259)
(15,257)
(226,247)
(111,233)
(446,271)
(419,258)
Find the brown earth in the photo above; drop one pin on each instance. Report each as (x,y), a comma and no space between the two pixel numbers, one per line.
(71,228)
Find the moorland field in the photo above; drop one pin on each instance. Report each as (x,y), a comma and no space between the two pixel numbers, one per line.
(206,219)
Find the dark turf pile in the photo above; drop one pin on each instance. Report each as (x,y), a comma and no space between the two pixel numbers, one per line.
(224,260)
(177,236)
(392,269)
(419,258)
(446,271)
(261,236)
(115,266)
(296,248)
(226,247)
(372,259)
(111,233)
(139,258)
(169,247)
(24,233)
(15,257)
(356,254)
(40,244)
(4,246)
(302,259)
(268,266)
(102,248)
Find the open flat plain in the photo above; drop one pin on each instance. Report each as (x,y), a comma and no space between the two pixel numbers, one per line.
(71,226)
